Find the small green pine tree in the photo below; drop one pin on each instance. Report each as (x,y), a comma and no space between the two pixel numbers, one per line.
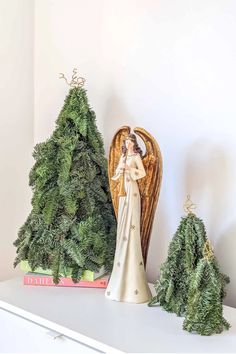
(72,224)
(204,313)
(185,250)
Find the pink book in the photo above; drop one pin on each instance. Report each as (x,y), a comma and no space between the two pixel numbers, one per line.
(46,280)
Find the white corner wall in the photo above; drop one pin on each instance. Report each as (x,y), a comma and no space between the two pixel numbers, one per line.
(16,123)
(165,65)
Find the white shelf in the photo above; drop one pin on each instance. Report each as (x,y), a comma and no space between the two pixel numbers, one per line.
(86,316)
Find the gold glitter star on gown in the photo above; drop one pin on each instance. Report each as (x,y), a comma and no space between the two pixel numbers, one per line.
(132,227)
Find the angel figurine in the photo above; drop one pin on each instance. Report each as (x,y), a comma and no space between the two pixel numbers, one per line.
(128,280)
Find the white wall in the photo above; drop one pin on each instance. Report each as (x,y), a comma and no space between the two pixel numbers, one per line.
(16,123)
(167,66)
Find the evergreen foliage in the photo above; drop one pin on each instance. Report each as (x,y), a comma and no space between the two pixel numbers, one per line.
(185,250)
(72,223)
(204,313)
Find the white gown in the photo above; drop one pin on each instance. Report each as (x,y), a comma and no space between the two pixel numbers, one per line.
(128,278)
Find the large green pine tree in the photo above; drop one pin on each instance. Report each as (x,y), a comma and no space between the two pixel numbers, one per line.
(204,313)
(185,250)
(72,224)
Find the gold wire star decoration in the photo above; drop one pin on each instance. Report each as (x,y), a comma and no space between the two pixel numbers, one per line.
(76,81)
(189,206)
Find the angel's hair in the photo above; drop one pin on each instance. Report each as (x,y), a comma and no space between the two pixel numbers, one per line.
(136,147)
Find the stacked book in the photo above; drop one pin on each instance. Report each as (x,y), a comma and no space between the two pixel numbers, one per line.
(42,277)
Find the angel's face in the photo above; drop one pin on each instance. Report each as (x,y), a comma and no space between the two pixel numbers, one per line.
(129,144)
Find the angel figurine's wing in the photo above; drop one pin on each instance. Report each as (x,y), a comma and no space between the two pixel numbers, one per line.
(114,157)
(149,186)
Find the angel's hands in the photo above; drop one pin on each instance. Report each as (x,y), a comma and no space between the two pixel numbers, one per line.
(124,166)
